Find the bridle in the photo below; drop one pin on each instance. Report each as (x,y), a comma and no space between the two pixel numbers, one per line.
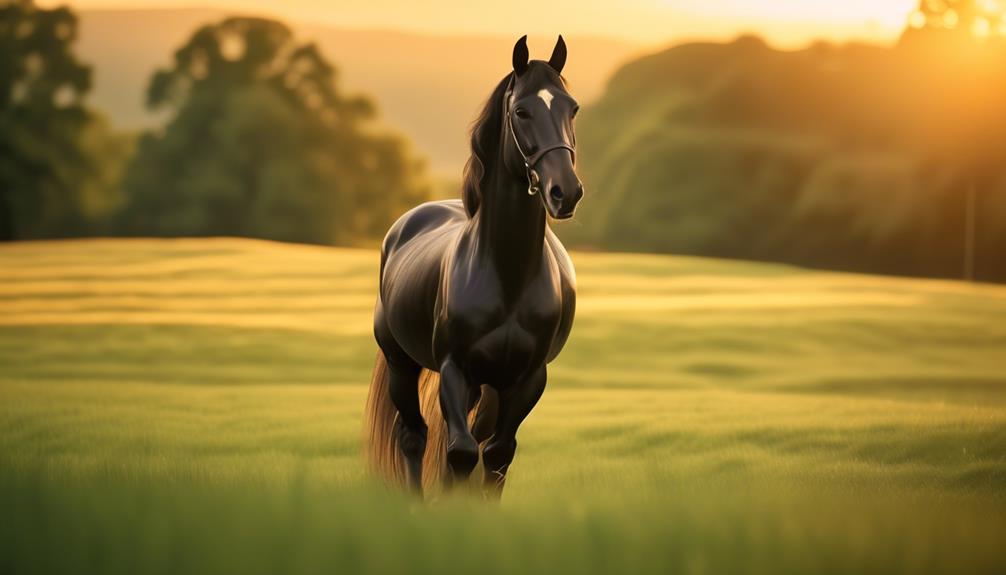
(531,161)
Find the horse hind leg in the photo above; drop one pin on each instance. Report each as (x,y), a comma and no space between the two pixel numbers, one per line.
(410,429)
(403,389)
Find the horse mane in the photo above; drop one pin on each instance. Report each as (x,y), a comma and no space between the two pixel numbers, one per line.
(487,131)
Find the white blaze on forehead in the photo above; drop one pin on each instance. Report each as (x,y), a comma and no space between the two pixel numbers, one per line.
(546,97)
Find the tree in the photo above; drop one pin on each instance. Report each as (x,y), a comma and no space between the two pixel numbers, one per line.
(263,144)
(45,162)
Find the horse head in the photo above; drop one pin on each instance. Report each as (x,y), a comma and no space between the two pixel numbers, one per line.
(541,145)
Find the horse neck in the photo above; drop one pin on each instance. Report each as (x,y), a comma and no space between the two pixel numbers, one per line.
(511,229)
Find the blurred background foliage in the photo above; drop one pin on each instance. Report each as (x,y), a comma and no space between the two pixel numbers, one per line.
(59,161)
(259,142)
(262,144)
(854,157)
(882,159)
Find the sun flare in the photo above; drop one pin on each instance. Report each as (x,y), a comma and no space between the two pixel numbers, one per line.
(983,19)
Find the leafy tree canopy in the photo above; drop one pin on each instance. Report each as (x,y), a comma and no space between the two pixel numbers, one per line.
(52,149)
(263,144)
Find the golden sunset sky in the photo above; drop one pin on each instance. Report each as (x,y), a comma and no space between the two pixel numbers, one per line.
(786,23)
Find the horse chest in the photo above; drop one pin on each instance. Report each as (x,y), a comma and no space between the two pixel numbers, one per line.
(498,343)
(502,353)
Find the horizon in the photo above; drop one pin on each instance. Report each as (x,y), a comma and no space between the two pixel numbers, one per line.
(788,24)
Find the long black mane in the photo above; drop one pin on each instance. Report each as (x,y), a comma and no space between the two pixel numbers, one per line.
(487,131)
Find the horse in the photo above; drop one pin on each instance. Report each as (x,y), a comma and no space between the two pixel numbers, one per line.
(477,295)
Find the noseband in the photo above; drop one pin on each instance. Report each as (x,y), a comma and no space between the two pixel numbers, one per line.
(531,161)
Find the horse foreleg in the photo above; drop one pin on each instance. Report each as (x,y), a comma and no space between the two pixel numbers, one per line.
(515,403)
(462,449)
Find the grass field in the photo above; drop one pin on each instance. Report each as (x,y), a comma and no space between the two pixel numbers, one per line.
(194,406)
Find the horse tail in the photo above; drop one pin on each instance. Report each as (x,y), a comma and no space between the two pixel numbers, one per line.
(384,456)
(380,440)
(435,457)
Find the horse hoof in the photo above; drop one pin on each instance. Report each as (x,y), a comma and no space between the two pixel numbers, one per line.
(463,456)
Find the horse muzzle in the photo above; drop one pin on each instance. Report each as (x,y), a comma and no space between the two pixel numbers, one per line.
(560,188)
(561,202)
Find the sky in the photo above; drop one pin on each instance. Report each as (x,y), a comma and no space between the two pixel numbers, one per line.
(785,23)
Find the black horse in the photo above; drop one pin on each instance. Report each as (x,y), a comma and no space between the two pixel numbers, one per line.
(480,291)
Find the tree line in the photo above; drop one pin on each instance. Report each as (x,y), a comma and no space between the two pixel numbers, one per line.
(260,142)
(856,157)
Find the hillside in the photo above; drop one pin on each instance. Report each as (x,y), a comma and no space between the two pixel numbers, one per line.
(429,87)
(850,157)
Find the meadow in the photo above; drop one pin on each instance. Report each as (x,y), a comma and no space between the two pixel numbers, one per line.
(194,406)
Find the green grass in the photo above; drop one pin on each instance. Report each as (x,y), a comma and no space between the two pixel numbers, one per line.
(194,406)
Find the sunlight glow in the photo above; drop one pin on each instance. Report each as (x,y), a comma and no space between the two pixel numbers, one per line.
(789,23)
(950,18)
(981,28)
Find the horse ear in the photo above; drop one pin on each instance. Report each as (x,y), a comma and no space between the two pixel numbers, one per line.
(558,59)
(520,55)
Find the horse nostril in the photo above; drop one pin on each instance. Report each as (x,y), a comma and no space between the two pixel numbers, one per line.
(555,193)
(579,192)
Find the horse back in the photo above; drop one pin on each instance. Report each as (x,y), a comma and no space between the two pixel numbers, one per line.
(422,220)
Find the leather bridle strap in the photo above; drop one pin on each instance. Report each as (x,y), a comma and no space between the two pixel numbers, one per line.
(531,161)
(534,159)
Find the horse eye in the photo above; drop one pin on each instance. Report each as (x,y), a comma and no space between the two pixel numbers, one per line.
(522,113)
